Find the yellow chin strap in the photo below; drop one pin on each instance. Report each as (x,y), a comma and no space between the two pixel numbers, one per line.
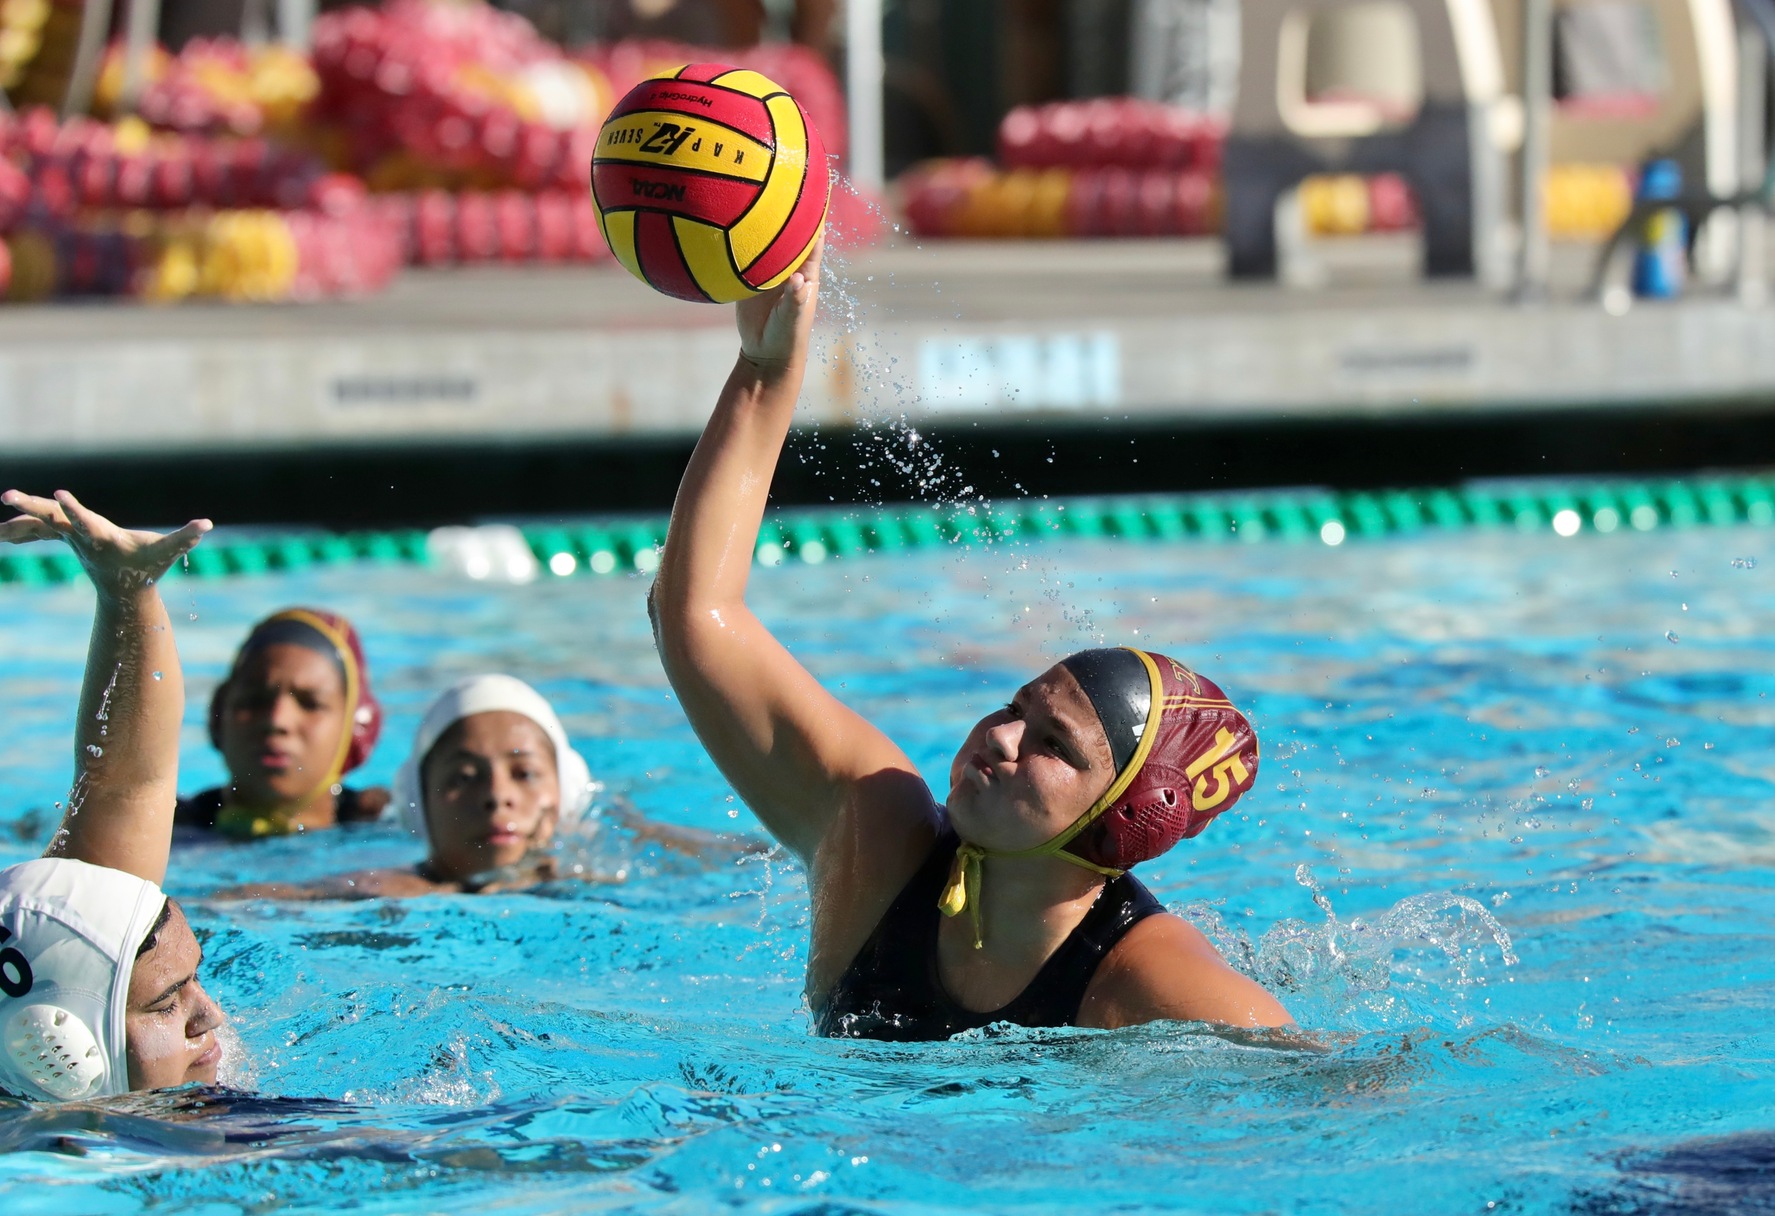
(962,891)
(243,823)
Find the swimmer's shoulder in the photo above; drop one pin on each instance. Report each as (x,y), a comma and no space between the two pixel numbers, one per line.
(880,840)
(1165,969)
(884,828)
(362,805)
(362,884)
(392,883)
(197,813)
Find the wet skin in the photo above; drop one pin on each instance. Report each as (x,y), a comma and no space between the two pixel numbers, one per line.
(492,794)
(170,1025)
(1026,772)
(283,719)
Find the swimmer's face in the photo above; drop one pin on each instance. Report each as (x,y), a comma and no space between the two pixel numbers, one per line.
(283,719)
(170,1025)
(492,793)
(1027,771)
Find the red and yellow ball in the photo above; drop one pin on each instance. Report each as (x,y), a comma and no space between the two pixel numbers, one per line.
(711,183)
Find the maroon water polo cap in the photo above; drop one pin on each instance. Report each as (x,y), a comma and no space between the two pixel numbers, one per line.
(1183,754)
(331,635)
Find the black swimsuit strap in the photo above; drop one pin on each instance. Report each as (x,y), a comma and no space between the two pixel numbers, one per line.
(199,810)
(202,809)
(893,989)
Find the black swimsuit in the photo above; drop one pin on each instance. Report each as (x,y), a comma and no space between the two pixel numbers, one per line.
(892,989)
(200,811)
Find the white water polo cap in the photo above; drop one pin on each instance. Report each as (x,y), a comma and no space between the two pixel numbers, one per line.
(69,932)
(481,695)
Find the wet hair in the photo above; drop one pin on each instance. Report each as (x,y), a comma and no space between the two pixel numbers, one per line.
(153,937)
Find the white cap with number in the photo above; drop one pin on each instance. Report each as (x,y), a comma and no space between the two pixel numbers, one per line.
(69,932)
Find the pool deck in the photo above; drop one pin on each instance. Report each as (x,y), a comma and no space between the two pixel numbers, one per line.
(946,334)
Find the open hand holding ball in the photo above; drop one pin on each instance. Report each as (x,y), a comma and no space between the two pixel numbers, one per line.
(711,184)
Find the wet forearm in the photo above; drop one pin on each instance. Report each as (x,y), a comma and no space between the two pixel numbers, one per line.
(126,738)
(721,501)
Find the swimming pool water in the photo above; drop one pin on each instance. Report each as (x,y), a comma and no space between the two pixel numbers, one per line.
(1508,853)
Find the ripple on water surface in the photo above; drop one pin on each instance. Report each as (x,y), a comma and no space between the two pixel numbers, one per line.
(1508,856)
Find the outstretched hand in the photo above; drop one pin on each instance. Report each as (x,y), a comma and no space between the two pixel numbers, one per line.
(119,561)
(774,326)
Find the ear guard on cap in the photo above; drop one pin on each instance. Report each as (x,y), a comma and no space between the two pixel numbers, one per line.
(71,934)
(54,1050)
(1202,757)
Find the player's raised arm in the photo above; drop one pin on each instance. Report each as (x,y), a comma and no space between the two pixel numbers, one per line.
(126,742)
(790,748)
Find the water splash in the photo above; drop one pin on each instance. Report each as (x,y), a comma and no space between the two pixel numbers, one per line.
(1416,962)
(886,446)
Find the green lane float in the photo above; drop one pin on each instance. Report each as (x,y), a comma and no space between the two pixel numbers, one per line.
(617,546)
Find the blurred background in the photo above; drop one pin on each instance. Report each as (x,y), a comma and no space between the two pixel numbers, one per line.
(300,261)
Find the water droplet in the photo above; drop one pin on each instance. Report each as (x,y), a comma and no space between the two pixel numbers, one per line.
(93,749)
(1744,563)
(1671,637)
(157,675)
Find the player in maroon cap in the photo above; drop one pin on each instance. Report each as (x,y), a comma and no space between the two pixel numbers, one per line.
(1008,900)
(294,715)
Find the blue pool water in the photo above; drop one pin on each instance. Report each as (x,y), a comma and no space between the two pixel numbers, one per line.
(1509,854)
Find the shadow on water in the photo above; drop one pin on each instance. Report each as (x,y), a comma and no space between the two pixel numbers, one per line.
(216,1125)
(206,1122)
(1727,1176)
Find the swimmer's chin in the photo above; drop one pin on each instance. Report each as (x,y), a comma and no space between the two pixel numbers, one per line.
(532,866)
(965,820)
(506,860)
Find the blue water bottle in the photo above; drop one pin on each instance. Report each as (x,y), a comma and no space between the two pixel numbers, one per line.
(1661,262)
